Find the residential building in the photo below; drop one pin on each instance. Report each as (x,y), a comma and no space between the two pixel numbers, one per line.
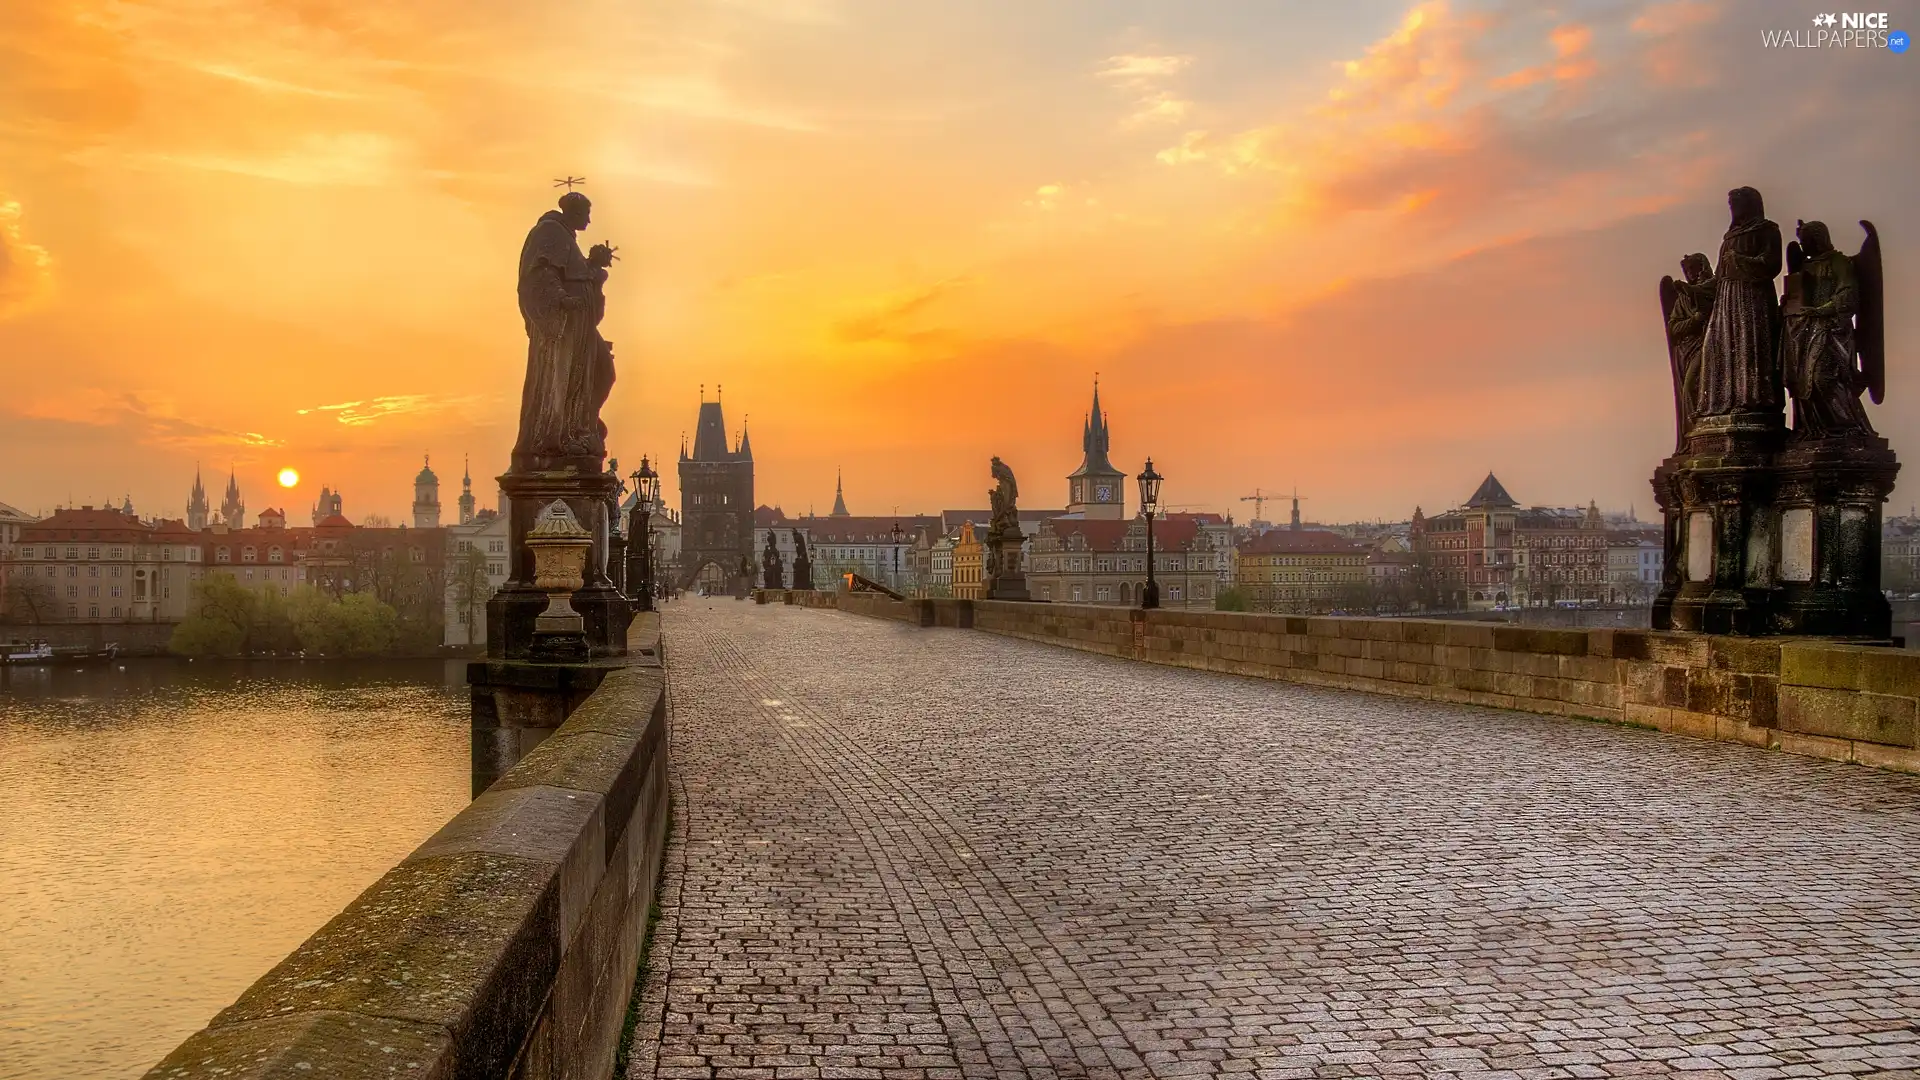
(876,548)
(1491,553)
(967,565)
(940,566)
(1080,561)
(1636,560)
(1308,571)
(1900,554)
(478,562)
(11,522)
(105,566)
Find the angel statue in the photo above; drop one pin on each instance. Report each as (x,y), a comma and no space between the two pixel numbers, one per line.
(1686,304)
(1835,340)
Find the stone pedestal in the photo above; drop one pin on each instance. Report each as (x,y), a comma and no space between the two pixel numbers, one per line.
(1009,581)
(1718,502)
(1829,501)
(605,613)
(1766,536)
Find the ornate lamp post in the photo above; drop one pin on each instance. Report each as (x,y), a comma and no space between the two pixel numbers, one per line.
(646,490)
(896,534)
(1149,498)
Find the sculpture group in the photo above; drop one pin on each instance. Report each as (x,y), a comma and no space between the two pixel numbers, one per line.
(1775,529)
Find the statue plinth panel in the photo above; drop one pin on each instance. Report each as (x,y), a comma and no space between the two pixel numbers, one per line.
(512,611)
(1770,530)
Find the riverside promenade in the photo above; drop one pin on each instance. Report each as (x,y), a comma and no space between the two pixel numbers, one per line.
(903,853)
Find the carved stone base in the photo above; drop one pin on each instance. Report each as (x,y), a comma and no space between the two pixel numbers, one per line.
(511,611)
(1009,581)
(1770,537)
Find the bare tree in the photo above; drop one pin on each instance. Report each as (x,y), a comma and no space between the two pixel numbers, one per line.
(30,599)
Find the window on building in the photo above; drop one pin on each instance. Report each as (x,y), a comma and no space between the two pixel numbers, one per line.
(93,571)
(116,611)
(73,553)
(166,592)
(73,591)
(93,553)
(1076,594)
(117,553)
(273,553)
(93,611)
(1103,592)
(73,611)
(221,554)
(115,591)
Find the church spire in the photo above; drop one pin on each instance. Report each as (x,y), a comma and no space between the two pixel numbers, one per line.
(839,499)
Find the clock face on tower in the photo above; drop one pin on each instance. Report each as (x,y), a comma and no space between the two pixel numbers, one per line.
(1103,493)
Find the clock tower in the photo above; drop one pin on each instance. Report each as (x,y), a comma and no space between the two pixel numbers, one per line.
(1096,489)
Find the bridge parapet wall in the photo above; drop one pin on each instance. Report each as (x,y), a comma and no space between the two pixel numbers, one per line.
(1843,702)
(505,946)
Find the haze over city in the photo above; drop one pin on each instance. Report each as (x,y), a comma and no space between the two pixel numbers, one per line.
(1374,249)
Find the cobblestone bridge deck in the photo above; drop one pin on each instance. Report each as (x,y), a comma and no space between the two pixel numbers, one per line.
(940,853)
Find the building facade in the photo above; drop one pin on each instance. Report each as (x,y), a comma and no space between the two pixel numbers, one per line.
(1491,554)
(105,566)
(1081,561)
(477,563)
(716,507)
(1309,571)
(968,564)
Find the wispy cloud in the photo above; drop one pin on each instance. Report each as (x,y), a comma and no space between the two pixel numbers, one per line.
(1144,78)
(362,413)
(26,270)
(890,321)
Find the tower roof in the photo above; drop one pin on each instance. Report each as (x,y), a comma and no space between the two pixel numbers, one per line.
(839,500)
(1095,438)
(710,434)
(426,475)
(1490,495)
(746,444)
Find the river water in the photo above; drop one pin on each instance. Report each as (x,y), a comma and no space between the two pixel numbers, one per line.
(171,830)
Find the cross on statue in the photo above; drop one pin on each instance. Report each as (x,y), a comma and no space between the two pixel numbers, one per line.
(568,182)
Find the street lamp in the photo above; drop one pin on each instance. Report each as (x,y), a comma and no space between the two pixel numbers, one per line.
(646,490)
(1149,498)
(896,534)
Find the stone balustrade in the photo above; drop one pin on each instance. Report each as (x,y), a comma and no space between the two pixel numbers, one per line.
(1822,698)
(505,946)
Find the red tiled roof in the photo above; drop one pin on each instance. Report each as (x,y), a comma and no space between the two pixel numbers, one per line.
(1174,532)
(91,524)
(864,530)
(1304,541)
(333,521)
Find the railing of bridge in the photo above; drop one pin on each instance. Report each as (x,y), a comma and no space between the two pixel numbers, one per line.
(1843,701)
(505,946)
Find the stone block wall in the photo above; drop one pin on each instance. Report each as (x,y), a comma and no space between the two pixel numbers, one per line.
(1844,702)
(505,946)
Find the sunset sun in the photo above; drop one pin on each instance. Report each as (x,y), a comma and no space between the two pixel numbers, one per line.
(288,478)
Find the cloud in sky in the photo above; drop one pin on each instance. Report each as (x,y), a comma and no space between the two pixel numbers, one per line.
(1374,247)
(26,270)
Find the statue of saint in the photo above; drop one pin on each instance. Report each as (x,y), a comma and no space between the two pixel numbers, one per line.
(569,365)
(773,574)
(1686,305)
(1740,356)
(1834,344)
(1006,518)
(802,564)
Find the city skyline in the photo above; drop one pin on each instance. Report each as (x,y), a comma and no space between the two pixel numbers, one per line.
(1375,251)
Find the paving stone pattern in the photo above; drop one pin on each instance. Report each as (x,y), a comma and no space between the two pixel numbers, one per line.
(939,853)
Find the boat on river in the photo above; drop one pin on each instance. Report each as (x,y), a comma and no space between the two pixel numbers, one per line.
(41,654)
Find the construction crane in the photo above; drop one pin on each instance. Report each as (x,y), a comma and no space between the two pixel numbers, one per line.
(1260,499)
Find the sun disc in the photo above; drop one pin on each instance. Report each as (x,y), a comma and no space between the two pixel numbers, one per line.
(289,478)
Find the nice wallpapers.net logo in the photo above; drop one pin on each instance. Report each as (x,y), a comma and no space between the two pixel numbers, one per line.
(1840,30)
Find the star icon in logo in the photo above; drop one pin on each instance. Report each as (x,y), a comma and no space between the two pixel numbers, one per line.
(1830,19)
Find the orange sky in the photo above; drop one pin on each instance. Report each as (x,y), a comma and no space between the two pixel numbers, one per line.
(1367,248)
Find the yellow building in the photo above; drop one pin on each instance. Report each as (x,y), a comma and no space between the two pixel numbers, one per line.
(968,564)
(1302,571)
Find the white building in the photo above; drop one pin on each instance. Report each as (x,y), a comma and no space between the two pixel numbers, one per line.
(483,538)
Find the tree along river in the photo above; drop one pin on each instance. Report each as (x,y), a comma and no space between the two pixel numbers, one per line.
(169,830)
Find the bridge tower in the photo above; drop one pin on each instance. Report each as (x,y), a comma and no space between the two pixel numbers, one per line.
(716,504)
